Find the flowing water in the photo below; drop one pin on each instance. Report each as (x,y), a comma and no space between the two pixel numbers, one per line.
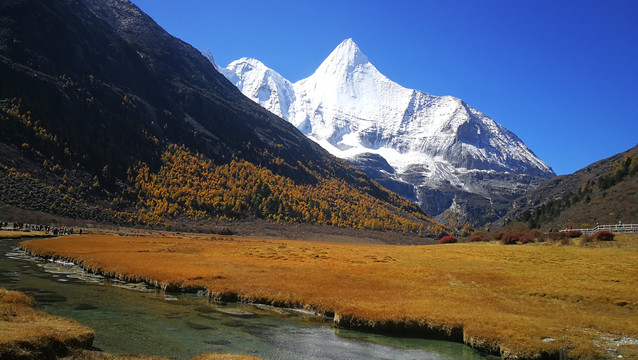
(134,319)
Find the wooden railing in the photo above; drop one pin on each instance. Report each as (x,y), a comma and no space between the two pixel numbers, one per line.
(617,228)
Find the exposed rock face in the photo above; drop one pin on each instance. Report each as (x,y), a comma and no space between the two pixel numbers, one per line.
(452,156)
(378,169)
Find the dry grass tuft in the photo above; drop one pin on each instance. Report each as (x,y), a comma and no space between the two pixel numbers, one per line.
(28,333)
(15,297)
(14,234)
(527,301)
(224,357)
(98,355)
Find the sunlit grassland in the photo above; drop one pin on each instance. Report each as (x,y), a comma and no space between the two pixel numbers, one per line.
(11,234)
(512,297)
(29,333)
(98,355)
(26,333)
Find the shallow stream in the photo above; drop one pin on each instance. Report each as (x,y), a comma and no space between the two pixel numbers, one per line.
(134,319)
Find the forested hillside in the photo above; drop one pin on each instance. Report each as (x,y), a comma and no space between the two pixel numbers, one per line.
(106,116)
(189,184)
(605,192)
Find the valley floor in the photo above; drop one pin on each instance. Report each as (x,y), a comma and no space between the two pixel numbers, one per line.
(523,301)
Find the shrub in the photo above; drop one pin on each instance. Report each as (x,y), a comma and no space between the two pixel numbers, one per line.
(499,235)
(225,231)
(586,240)
(525,239)
(448,240)
(509,239)
(539,235)
(15,297)
(479,238)
(515,227)
(604,236)
(558,236)
(574,234)
(535,234)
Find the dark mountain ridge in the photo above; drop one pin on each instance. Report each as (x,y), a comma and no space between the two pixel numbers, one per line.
(95,89)
(144,80)
(603,192)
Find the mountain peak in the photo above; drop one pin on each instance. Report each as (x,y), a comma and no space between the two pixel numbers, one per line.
(347,54)
(209,55)
(437,145)
(247,61)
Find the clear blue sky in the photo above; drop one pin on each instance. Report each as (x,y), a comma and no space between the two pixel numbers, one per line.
(562,75)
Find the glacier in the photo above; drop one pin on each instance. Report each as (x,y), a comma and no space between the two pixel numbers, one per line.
(442,153)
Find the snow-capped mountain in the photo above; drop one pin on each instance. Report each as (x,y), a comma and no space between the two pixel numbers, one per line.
(440,151)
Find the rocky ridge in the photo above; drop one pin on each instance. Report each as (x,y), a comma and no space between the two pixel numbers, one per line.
(441,152)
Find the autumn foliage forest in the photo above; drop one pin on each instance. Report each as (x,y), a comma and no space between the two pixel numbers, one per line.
(190,185)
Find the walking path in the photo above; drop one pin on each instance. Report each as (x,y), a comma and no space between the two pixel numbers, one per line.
(617,228)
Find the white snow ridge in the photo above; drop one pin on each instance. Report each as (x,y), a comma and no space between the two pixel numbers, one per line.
(448,152)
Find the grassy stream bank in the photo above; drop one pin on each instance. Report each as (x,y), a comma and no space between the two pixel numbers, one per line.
(514,301)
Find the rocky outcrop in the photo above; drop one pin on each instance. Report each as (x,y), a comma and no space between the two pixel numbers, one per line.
(409,141)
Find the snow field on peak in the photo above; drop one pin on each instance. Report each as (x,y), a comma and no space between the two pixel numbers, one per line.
(350,108)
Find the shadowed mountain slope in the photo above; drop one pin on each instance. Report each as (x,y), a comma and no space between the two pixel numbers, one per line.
(95,96)
(604,192)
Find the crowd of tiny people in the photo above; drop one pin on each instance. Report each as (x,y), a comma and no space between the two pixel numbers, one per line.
(47,229)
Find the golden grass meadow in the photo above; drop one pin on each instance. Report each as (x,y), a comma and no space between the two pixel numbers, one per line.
(10,234)
(26,333)
(29,333)
(526,301)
